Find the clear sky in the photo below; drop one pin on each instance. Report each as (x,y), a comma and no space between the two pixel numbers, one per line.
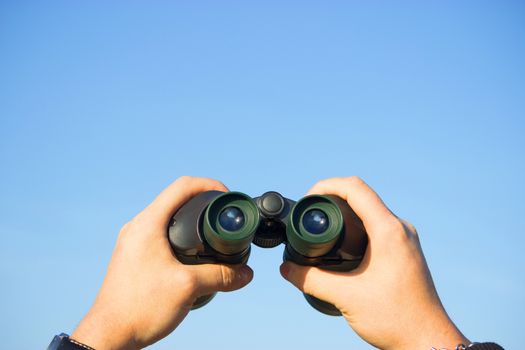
(103,104)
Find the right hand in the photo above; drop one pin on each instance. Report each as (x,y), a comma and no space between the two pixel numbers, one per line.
(390,299)
(147,292)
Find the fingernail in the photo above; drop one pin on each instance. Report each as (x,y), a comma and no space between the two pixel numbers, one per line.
(246,272)
(285,269)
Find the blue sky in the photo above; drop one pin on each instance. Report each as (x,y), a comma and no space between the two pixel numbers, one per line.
(103,104)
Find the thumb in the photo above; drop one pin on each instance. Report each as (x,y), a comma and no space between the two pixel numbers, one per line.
(322,284)
(213,278)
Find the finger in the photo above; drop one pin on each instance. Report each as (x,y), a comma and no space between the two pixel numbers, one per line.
(324,285)
(178,193)
(361,198)
(213,278)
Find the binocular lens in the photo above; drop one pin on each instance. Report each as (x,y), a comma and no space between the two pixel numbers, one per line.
(231,219)
(230,222)
(315,221)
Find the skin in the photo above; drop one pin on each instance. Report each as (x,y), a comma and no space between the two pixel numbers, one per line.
(146,292)
(389,300)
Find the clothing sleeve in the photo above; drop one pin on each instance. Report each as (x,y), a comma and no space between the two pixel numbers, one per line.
(485,346)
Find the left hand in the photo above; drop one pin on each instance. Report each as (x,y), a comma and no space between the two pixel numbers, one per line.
(147,292)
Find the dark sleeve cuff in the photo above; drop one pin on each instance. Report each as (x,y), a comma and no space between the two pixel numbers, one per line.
(63,342)
(485,346)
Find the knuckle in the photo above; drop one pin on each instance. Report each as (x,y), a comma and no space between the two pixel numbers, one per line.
(124,228)
(184,179)
(402,234)
(354,180)
(124,232)
(214,183)
(322,183)
(397,227)
(394,228)
(219,183)
(136,231)
(410,227)
(327,183)
(186,280)
(144,221)
(226,276)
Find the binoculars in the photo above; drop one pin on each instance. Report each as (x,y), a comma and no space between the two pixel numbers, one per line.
(317,230)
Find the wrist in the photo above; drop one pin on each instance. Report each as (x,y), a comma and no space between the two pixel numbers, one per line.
(103,332)
(438,334)
(425,330)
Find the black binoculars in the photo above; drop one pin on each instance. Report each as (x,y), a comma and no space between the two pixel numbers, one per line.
(317,230)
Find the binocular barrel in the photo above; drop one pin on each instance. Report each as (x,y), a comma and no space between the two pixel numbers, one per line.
(219,227)
(325,232)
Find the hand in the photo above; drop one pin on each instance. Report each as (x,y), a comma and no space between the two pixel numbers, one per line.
(146,292)
(390,299)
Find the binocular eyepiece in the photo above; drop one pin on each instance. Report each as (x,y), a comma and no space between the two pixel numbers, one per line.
(230,222)
(219,227)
